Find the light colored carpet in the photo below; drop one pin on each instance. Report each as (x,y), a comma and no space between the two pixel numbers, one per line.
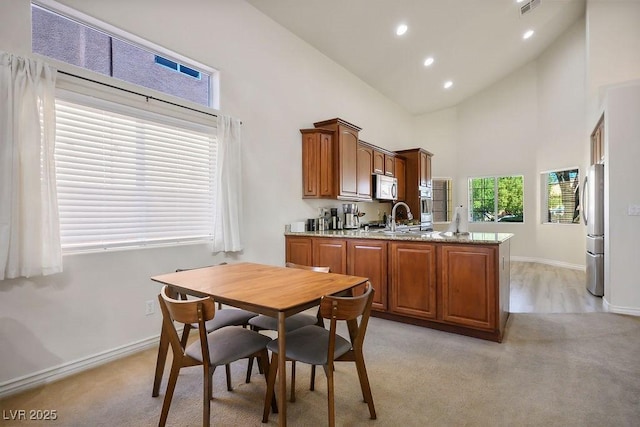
(550,370)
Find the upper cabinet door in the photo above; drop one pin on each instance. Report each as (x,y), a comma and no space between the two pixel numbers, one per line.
(317,163)
(346,144)
(378,162)
(389,165)
(364,161)
(348,152)
(400,167)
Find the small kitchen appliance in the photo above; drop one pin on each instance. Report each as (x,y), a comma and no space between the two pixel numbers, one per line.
(351,215)
(385,187)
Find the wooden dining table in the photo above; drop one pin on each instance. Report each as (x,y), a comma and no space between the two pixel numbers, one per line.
(265,289)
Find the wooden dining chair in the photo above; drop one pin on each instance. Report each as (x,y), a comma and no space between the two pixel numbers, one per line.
(224,317)
(296,321)
(318,346)
(217,348)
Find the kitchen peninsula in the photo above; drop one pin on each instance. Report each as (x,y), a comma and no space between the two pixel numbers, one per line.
(455,283)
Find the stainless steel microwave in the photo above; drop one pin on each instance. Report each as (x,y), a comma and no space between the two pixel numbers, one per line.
(385,187)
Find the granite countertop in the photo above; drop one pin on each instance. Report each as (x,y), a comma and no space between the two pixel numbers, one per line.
(420,236)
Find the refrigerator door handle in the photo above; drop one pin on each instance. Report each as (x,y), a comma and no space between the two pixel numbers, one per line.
(585,202)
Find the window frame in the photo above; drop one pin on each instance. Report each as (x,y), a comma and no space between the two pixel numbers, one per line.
(449,198)
(101,26)
(82,98)
(86,82)
(544,193)
(496,217)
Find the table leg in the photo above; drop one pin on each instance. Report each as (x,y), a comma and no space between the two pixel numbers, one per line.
(282,373)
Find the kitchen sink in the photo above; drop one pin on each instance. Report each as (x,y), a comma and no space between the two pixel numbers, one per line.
(405,232)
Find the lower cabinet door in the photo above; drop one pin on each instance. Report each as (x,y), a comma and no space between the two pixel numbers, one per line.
(412,289)
(468,286)
(368,258)
(332,253)
(298,250)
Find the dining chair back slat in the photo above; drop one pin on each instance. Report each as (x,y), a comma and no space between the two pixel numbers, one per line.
(343,308)
(190,311)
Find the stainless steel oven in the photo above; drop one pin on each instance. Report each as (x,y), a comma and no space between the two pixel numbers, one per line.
(426,208)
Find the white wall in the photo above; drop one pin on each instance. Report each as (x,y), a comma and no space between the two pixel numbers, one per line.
(437,132)
(613,41)
(531,121)
(622,175)
(562,141)
(613,38)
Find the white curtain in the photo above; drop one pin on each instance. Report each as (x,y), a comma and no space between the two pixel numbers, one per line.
(227,231)
(29,229)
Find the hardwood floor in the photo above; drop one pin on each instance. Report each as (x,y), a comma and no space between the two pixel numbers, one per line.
(541,288)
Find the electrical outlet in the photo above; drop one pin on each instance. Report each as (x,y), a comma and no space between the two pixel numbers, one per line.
(633,210)
(149,308)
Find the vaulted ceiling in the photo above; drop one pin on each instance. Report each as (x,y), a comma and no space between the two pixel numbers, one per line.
(473,43)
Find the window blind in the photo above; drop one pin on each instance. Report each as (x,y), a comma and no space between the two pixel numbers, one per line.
(128,177)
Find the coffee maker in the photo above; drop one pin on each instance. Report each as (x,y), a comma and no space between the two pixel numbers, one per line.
(351,215)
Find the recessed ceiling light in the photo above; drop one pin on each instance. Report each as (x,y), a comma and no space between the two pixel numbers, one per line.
(448,84)
(428,61)
(519,1)
(527,34)
(402,28)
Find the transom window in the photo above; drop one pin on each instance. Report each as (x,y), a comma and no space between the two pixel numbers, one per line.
(496,199)
(71,41)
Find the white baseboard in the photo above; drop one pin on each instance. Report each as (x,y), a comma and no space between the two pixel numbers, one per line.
(632,311)
(18,385)
(549,262)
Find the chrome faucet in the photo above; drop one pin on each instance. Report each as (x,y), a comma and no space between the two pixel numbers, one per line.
(393,214)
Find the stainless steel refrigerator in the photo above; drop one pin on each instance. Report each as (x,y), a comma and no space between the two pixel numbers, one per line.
(593,216)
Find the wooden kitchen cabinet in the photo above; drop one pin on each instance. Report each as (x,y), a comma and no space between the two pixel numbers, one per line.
(317,164)
(456,287)
(389,165)
(368,258)
(346,154)
(330,253)
(383,162)
(469,285)
(412,279)
(400,166)
(364,258)
(337,165)
(364,161)
(378,162)
(418,163)
(417,174)
(299,250)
